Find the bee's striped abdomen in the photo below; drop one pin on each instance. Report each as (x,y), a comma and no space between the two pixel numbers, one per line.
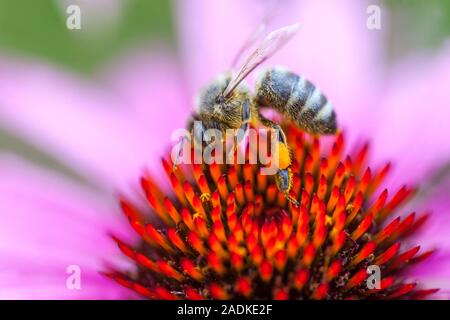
(297,98)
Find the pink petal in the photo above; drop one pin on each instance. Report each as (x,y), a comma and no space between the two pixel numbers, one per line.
(149,82)
(48,224)
(413,127)
(87,128)
(333,48)
(434,272)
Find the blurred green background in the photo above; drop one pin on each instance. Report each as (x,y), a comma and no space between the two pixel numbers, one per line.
(34,28)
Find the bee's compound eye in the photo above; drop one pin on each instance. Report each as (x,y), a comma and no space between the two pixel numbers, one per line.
(283,180)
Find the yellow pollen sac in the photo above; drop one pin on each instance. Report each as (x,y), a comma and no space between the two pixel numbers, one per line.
(204,197)
(283,156)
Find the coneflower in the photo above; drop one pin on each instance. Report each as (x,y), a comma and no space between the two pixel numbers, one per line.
(226,232)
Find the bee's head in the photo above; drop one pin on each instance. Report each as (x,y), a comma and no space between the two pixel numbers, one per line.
(218,111)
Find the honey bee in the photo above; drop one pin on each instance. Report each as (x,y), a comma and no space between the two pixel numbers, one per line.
(226,103)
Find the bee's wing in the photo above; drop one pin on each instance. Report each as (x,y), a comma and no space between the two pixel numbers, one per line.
(254,37)
(274,41)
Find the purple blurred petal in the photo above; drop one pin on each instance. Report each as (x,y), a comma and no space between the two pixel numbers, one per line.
(87,128)
(413,127)
(48,224)
(434,272)
(149,82)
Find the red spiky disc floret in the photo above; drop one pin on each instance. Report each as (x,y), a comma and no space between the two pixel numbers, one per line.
(227,232)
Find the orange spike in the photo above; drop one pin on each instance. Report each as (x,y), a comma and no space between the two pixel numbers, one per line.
(198,206)
(197,171)
(280,260)
(218,292)
(143,291)
(339,175)
(233,178)
(378,178)
(191,270)
(192,294)
(336,152)
(301,278)
(357,279)
(257,255)
(334,270)
(404,289)
(178,189)
(214,168)
(309,254)
(332,201)
(188,191)
(157,207)
(158,238)
(360,159)
(128,209)
(265,270)
(292,247)
(338,242)
(169,271)
(187,219)
(404,225)
(237,261)
(321,291)
(239,192)
(323,168)
(222,187)
(196,243)
(271,193)
(164,294)
(171,210)
(175,238)
(248,173)
(201,227)
(355,207)
(388,254)
(362,227)
(305,198)
(379,203)
(387,231)
(322,189)
(364,253)
(215,263)
(259,205)
(349,188)
(398,199)
(365,180)
(215,200)
(203,185)
(404,257)
(248,189)
(244,286)
(261,182)
(309,164)
(320,233)
(309,183)
(281,294)
(219,230)
(296,184)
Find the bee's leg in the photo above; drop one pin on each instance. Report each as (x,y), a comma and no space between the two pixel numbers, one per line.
(246,117)
(283,177)
(270,124)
